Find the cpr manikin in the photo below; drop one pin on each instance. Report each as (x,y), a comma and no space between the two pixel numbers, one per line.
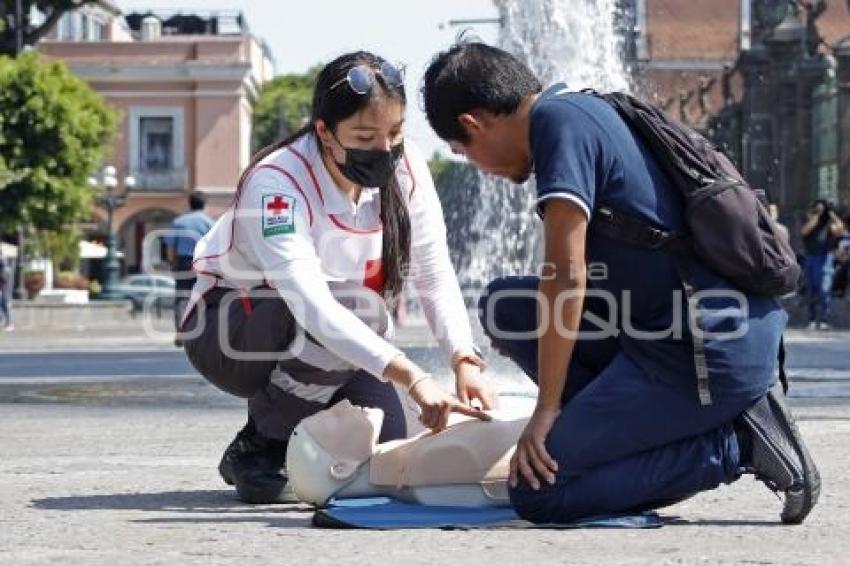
(335,453)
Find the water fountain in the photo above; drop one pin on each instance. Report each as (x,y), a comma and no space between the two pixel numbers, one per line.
(493,229)
(561,40)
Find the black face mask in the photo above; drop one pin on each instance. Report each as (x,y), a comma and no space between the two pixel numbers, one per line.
(370,167)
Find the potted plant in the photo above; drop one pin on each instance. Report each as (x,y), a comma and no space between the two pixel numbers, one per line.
(95,288)
(70,280)
(33,282)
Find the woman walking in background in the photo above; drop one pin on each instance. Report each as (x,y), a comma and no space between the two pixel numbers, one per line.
(820,233)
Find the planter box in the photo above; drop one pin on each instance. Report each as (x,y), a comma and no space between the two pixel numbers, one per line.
(58,315)
(63,296)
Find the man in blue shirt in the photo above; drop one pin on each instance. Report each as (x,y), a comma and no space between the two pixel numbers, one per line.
(186,230)
(606,329)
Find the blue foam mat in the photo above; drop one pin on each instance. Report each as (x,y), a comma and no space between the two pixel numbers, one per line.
(387,513)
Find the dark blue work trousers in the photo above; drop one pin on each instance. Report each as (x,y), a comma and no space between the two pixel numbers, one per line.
(624,441)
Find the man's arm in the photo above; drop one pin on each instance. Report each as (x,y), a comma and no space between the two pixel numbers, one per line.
(562,288)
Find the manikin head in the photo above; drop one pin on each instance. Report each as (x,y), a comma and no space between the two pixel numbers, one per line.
(336,453)
(320,461)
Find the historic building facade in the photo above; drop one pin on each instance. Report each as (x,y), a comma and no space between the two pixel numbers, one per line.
(767,79)
(185,86)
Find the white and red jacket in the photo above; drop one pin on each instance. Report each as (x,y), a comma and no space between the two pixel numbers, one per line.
(291,228)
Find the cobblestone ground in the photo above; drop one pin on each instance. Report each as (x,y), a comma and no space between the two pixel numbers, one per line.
(123,471)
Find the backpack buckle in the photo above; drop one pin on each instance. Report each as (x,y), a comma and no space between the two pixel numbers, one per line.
(656,238)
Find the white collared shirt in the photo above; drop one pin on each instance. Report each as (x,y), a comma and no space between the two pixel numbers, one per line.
(295,230)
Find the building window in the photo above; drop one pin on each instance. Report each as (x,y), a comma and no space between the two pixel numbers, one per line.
(76,26)
(71,27)
(156,143)
(156,147)
(96,29)
(630,21)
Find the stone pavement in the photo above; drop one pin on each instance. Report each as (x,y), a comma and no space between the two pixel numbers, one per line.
(91,484)
(125,472)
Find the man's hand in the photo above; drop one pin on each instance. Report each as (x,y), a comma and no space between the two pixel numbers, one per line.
(531,459)
(436,405)
(471,385)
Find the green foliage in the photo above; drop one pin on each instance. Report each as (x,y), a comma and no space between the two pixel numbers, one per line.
(54,131)
(284,106)
(438,166)
(63,248)
(458,185)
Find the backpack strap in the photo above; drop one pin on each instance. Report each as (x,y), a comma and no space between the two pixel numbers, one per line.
(631,230)
(700,361)
(783,377)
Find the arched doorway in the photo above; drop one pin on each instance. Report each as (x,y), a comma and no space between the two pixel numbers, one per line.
(132,238)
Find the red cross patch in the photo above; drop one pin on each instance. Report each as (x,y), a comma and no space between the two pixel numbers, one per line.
(278,215)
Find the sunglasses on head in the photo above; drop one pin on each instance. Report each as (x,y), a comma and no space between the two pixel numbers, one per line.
(361,78)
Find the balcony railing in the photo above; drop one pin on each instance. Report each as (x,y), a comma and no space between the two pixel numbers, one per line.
(161,179)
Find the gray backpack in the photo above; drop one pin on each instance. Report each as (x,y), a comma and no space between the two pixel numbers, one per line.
(730,229)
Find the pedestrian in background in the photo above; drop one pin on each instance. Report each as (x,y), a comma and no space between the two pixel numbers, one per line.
(842,262)
(820,235)
(186,230)
(5,303)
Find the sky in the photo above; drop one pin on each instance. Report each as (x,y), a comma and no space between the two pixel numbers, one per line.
(303,33)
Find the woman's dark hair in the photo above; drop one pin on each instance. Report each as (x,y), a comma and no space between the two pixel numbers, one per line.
(473,76)
(824,217)
(333,106)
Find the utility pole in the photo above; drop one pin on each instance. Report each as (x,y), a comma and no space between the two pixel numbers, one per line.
(19,27)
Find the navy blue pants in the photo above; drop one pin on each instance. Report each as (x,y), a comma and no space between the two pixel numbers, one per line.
(624,441)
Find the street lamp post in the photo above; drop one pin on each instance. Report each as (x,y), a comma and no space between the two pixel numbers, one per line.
(20,291)
(111,201)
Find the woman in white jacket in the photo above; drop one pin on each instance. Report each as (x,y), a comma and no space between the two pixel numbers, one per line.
(296,279)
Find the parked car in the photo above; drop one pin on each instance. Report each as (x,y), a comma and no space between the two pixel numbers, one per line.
(154,290)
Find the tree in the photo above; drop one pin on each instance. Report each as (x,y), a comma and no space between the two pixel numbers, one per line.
(30,34)
(284,106)
(54,131)
(458,185)
(438,165)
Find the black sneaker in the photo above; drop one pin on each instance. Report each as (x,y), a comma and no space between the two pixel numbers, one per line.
(773,449)
(255,465)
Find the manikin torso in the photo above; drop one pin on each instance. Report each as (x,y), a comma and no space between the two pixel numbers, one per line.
(335,453)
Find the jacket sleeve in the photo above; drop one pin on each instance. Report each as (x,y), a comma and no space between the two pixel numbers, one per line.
(284,251)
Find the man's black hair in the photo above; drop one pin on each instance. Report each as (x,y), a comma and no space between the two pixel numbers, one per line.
(197,200)
(473,76)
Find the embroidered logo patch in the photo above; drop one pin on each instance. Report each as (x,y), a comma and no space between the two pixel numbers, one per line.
(278,215)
